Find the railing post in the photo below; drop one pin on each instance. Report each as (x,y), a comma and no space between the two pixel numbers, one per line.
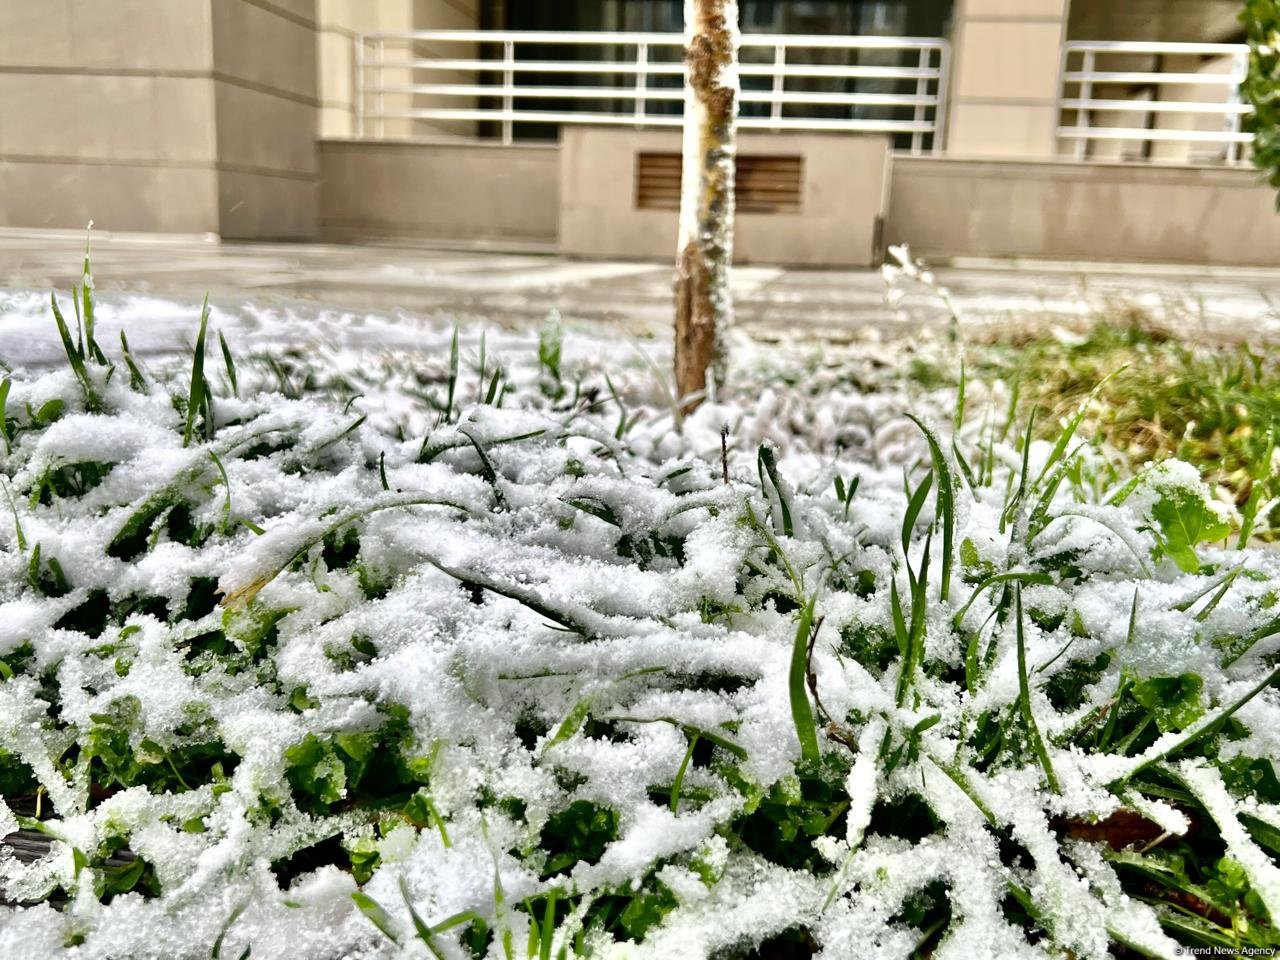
(380,77)
(779,84)
(1239,71)
(642,82)
(942,106)
(1086,94)
(357,85)
(922,90)
(508,92)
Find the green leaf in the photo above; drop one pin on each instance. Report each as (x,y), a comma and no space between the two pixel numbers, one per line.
(1185,520)
(1174,702)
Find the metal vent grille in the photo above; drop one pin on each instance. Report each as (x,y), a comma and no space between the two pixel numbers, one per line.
(765,184)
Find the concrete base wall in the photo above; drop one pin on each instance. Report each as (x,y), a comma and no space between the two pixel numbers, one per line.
(440,191)
(1083,211)
(844,189)
(582,195)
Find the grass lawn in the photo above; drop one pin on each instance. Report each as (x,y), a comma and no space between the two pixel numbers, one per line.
(486,653)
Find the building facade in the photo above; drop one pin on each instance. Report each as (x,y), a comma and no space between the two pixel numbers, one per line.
(1055,128)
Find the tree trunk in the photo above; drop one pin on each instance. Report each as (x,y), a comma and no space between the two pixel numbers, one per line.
(704,307)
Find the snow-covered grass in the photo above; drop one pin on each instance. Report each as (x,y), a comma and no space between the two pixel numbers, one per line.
(485,655)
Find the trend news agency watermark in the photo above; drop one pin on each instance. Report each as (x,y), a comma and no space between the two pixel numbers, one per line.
(1226,951)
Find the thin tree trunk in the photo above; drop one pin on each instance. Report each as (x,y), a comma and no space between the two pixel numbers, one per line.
(704,307)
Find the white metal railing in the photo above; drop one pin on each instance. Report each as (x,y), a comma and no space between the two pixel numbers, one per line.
(892,85)
(1106,85)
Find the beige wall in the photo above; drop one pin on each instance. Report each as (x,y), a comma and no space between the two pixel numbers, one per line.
(341,21)
(184,116)
(1005,79)
(106,113)
(447,190)
(1083,211)
(266,105)
(943,207)
(843,197)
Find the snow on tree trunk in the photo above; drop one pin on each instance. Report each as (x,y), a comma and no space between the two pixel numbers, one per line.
(704,307)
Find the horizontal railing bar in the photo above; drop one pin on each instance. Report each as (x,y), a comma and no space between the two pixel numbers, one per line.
(1146,46)
(652,93)
(1159,106)
(607,38)
(1144,133)
(670,69)
(546,116)
(1103,76)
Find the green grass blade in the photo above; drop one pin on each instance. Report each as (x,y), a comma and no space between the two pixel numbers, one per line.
(957,421)
(1024,699)
(1069,431)
(801,709)
(4,419)
(240,597)
(376,915)
(622,408)
(17,523)
(486,470)
(678,782)
(226,483)
(195,393)
(946,504)
(767,466)
(492,393)
(137,382)
(1015,501)
(453,375)
(548,925)
(916,630)
(571,724)
(76,358)
(914,505)
(92,350)
(216,953)
(230,363)
(419,926)
(690,730)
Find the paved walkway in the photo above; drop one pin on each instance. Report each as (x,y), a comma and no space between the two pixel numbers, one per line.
(516,289)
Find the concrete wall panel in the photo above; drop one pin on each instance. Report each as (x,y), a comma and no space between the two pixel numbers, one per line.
(257,45)
(134,35)
(116,197)
(1072,211)
(259,207)
(443,191)
(107,117)
(257,129)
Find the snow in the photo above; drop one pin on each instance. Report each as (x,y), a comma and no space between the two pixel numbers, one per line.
(505,601)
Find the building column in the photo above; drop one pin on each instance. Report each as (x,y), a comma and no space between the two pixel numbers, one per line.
(1004,90)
